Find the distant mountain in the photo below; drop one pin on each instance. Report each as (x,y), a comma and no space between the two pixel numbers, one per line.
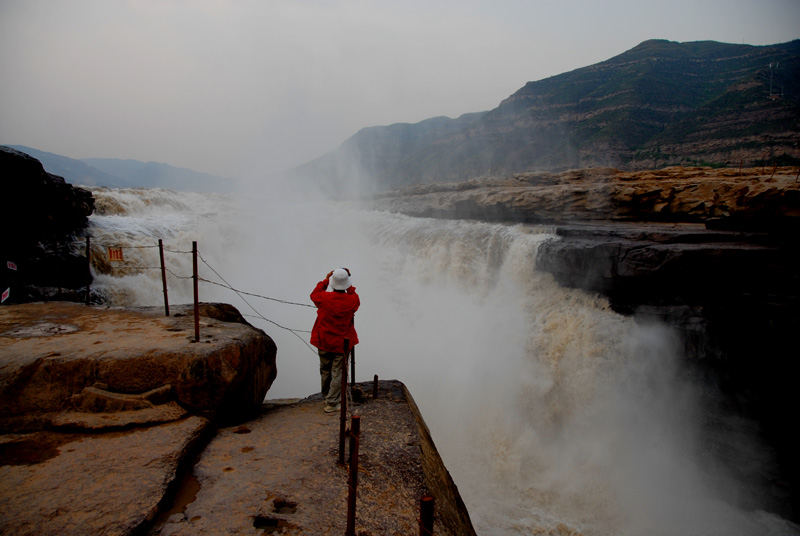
(116,173)
(74,171)
(158,175)
(661,103)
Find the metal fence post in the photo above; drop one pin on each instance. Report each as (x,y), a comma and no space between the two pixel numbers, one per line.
(375,387)
(426,505)
(163,276)
(353,365)
(196,304)
(343,403)
(355,431)
(88,270)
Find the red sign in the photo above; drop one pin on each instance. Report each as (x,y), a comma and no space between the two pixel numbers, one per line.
(6,294)
(11,265)
(115,254)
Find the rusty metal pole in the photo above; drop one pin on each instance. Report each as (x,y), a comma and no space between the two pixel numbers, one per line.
(352,361)
(375,387)
(355,431)
(88,270)
(163,276)
(343,403)
(426,505)
(353,365)
(61,252)
(196,304)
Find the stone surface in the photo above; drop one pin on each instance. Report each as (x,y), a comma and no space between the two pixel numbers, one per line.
(103,394)
(111,420)
(100,484)
(278,473)
(50,353)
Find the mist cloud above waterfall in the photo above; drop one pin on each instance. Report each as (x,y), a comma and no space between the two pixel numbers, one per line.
(245,88)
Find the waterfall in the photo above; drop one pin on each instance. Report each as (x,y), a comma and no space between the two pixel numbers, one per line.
(554,414)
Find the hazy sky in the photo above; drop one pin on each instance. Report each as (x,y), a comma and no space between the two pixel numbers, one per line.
(242,88)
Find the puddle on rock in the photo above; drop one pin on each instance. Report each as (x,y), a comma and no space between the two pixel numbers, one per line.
(34,448)
(187,488)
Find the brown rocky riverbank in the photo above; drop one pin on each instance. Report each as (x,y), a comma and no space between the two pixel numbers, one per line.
(751,199)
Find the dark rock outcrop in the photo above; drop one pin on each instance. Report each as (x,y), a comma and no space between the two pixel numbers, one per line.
(42,216)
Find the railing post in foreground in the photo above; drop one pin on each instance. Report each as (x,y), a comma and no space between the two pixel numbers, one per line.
(426,505)
(352,365)
(196,304)
(355,431)
(343,403)
(163,275)
(375,387)
(88,270)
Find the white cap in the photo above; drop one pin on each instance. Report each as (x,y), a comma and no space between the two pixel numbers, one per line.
(340,279)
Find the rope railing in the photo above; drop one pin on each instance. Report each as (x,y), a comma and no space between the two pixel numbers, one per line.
(114,252)
(258,313)
(237,291)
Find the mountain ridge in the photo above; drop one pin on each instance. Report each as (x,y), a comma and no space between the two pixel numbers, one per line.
(658,104)
(127,173)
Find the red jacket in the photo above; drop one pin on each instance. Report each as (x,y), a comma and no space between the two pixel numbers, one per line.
(334,322)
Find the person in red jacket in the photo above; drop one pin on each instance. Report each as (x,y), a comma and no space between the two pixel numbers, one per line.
(337,302)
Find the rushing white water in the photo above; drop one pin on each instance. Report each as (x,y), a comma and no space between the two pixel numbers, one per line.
(554,414)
